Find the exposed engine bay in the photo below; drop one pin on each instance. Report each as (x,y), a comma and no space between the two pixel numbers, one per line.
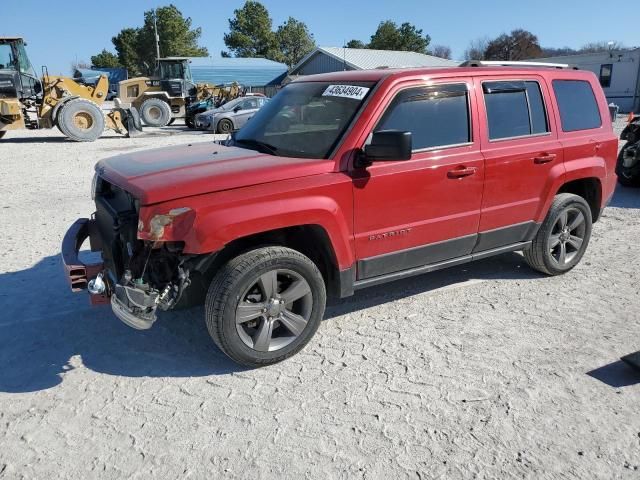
(140,277)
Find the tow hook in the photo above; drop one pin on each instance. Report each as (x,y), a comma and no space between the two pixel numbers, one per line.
(97,286)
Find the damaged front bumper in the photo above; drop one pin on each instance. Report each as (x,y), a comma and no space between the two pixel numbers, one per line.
(78,273)
(133,306)
(134,302)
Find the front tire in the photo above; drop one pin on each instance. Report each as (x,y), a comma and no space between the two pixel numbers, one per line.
(225,126)
(81,120)
(265,305)
(155,112)
(563,237)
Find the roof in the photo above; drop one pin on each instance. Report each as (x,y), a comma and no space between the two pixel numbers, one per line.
(450,72)
(366,59)
(249,72)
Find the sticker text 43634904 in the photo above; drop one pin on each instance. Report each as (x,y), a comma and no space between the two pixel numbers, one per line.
(346,91)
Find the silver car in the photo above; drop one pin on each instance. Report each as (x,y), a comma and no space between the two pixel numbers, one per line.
(230,116)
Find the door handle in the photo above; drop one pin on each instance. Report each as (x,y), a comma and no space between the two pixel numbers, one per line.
(545,158)
(461,172)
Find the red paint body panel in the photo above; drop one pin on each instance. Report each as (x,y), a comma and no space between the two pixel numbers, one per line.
(155,176)
(220,217)
(233,193)
(417,194)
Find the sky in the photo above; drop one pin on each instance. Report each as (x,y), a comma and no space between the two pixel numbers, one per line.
(85,28)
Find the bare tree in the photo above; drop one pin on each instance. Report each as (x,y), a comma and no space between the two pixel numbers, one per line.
(476,49)
(442,51)
(517,45)
(597,47)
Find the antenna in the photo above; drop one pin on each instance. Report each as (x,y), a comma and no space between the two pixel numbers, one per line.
(155,29)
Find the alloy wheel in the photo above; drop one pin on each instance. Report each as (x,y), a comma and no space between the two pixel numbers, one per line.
(567,236)
(274,310)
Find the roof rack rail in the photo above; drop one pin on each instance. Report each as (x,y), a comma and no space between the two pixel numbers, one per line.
(503,63)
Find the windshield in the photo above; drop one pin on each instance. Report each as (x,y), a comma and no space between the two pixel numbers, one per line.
(171,70)
(23,61)
(6,57)
(305,119)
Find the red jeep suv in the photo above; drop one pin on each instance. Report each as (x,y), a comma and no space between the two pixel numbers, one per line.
(346,180)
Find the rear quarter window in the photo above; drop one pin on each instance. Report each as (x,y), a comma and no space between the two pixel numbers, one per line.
(577,104)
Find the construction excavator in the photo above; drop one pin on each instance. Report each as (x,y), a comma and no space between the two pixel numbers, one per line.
(27,101)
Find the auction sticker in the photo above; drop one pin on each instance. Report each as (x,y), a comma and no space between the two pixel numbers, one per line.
(346,91)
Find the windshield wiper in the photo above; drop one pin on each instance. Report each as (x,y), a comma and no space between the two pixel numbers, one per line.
(253,144)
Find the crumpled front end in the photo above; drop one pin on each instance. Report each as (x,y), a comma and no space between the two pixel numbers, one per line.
(140,272)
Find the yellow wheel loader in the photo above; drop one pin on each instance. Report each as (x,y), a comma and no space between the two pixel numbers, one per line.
(29,102)
(164,96)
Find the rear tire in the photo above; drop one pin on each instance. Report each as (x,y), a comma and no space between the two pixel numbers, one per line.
(155,112)
(225,126)
(265,305)
(81,120)
(627,177)
(563,237)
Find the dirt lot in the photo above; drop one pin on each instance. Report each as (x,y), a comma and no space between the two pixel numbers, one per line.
(483,371)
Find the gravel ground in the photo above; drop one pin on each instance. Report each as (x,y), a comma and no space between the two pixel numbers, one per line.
(483,371)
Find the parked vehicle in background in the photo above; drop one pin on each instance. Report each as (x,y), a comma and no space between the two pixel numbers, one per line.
(27,101)
(343,181)
(230,116)
(628,166)
(212,97)
(165,95)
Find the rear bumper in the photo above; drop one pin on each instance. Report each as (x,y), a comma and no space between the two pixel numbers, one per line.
(77,272)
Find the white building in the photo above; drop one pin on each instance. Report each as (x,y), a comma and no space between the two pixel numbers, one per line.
(336,59)
(618,70)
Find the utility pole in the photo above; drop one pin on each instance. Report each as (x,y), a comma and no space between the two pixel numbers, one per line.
(155,28)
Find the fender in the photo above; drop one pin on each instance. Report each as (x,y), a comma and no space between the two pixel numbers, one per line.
(211,224)
(56,109)
(594,167)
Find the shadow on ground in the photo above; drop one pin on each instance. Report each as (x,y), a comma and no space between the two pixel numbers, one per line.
(44,327)
(625,197)
(617,374)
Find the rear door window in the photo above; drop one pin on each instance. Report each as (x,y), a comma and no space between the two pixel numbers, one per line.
(514,109)
(436,116)
(577,104)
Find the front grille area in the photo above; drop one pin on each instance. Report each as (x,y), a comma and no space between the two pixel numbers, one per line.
(117,223)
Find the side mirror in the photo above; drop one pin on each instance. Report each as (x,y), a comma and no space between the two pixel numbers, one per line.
(237,108)
(388,145)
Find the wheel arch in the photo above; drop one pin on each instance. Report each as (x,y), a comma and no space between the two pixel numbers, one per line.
(589,188)
(311,240)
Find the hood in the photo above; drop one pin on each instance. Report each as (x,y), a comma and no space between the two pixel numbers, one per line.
(159,175)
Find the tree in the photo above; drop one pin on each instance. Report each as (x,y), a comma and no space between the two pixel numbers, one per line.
(407,37)
(476,49)
(518,45)
(126,43)
(177,38)
(250,32)
(136,47)
(105,59)
(598,47)
(355,44)
(294,41)
(441,51)
(558,52)
(79,64)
